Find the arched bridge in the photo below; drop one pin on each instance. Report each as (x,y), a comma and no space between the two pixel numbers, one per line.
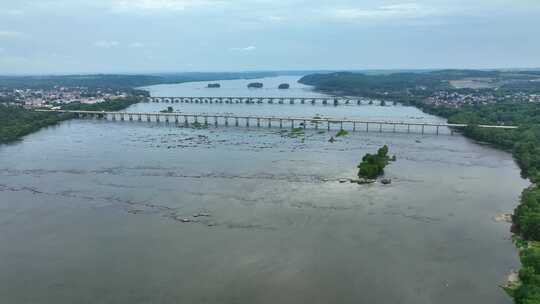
(267,100)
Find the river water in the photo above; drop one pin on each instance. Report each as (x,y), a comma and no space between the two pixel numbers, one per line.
(130,212)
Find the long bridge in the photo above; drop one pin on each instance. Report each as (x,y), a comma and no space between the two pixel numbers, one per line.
(198,120)
(259,100)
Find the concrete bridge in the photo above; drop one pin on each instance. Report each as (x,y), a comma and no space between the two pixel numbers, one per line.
(205,120)
(260,100)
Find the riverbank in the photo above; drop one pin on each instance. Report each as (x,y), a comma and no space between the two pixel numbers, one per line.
(524,144)
(17,122)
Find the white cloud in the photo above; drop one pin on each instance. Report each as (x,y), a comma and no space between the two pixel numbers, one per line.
(250,48)
(106,44)
(10,35)
(136,45)
(156,6)
(403,10)
(10,12)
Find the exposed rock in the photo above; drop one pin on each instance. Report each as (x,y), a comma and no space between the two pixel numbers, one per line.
(512,279)
(503,217)
(332,139)
(202,215)
(362,181)
(386,181)
(342,180)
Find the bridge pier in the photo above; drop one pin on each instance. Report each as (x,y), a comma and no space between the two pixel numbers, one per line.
(383,126)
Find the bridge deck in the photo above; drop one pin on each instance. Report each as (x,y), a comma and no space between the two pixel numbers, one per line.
(277,118)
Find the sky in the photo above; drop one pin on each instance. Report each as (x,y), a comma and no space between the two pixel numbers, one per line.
(143,36)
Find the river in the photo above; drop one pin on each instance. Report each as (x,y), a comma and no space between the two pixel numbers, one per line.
(135,212)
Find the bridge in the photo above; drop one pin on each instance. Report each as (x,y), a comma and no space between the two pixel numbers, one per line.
(200,120)
(260,100)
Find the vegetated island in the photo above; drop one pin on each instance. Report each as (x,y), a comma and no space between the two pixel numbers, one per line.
(372,165)
(284,86)
(255,85)
(511,106)
(214,85)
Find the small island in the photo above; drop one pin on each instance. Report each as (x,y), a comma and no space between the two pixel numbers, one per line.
(167,110)
(255,85)
(372,165)
(284,86)
(213,85)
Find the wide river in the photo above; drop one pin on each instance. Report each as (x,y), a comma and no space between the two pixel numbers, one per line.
(134,212)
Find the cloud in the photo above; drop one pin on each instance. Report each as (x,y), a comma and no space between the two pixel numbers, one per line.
(136,45)
(246,49)
(11,35)
(10,12)
(156,6)
(394,11)
(106,44)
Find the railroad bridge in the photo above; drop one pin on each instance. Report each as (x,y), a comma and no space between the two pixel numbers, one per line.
(260,100)
(206,120)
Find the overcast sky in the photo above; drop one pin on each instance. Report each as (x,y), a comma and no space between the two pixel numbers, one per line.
(89,36)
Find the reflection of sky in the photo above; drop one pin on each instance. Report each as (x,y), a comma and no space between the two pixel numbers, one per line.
(239,88)
(236,88)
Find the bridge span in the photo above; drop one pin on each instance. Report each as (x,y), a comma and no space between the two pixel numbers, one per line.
(259,100)
(205,120)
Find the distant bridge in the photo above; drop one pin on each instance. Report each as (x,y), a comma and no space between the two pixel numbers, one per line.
(281,122)
(260,100)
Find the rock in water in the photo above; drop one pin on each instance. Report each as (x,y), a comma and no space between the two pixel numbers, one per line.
(386,181)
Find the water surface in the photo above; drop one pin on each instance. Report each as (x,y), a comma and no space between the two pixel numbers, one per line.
(128,212)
